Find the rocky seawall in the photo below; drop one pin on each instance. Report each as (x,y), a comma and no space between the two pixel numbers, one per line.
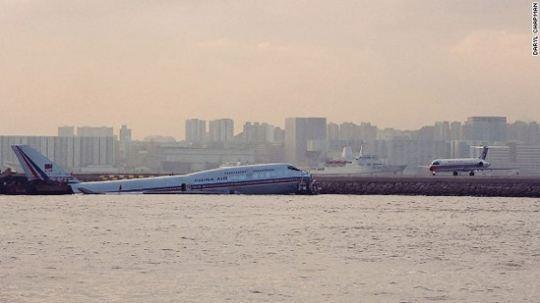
(17,184)
(432,186)
(395,185)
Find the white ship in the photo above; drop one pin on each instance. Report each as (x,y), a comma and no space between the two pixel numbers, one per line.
(360,165)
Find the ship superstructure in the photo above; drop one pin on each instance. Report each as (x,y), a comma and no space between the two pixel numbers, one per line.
(363,164)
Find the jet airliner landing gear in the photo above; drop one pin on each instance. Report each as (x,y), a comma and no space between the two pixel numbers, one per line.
(455,173)
(471,173)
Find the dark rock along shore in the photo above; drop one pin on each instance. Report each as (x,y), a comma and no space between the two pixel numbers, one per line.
(432,186)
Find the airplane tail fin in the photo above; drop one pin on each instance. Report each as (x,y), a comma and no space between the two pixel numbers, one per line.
(484,153)
(38,167)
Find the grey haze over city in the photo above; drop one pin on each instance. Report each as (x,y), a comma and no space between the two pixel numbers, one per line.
(312,143)
(154,64)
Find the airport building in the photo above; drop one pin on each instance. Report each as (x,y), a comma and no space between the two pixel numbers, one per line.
(527,158)
(520,157)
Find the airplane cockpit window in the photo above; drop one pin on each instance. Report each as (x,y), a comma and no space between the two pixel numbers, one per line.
(293,168)
(436,163)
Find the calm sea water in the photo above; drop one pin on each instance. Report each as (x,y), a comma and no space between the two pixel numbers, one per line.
(322,248)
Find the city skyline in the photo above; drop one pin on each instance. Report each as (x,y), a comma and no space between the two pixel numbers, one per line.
(152,65)
(304,141)
(238,127)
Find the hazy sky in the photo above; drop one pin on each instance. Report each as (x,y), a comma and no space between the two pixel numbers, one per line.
(152,64)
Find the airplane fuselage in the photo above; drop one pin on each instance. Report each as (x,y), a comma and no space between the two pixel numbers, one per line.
(248,179)
(274,178)
(458,165)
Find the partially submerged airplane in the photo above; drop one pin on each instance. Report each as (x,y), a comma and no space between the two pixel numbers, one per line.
(470,165)
(276,178)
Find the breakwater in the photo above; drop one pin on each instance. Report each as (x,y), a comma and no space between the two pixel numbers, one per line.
(432,186)
(18,184)
(388,185)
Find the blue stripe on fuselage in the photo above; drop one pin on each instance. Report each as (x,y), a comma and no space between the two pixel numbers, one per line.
(210,185)
(457,167)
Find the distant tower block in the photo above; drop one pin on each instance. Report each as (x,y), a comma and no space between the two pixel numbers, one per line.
(300,131)
(221,130)
(195,131)
(125,134)
(66,131)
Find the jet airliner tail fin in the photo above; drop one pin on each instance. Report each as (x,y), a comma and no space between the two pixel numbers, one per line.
(484,153)
(38,167)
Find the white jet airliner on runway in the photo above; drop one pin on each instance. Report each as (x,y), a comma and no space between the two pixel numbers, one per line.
(276,178)
(470,165)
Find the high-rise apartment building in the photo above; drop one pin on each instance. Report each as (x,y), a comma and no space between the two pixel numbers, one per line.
(441,131)
(221,130)
(125,134)
(332,132)
(485,129)
(195,131)
(66,131)
(305,138)
(353,132)
(524,133)
(456,130)
(124,143)
(533,133)
(258,133)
